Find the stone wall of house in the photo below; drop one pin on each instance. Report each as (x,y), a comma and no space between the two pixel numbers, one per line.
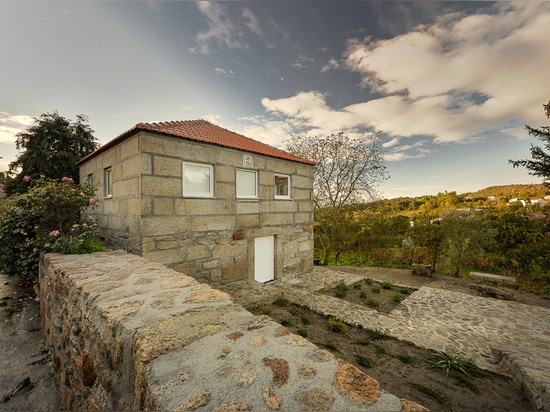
(211,239)
(119,216)
(126,333)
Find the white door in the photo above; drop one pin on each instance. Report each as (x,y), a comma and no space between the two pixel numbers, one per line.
(264,259)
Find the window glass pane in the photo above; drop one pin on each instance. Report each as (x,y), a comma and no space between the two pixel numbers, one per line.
(246,183)
(282,186)
(197,179)
(107,182)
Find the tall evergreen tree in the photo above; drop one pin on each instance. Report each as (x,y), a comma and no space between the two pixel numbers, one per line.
(540,163)
(50,147)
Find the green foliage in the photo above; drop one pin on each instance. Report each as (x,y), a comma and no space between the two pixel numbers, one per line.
(373,303)
(363,361)
(539,164)
(375,289)
(46,218)
(341,290)
(450,362)
(377,334)
(305,320)
(302,332)
(362,294)
(361,341)
(336,325)
(357,285)
(387,285)
(50,147)
(397,298)
(293,312)
(286,322)
(328,345)
(380,350)
(406,359)
(465,381)
(434,393)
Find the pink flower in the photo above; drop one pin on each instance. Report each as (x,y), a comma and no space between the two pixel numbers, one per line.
(66,179)
(54,233)
(26,179)
(82,194)
(92,201)
(42,176)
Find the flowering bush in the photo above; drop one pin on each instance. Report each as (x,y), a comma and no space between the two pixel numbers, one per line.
(46,218)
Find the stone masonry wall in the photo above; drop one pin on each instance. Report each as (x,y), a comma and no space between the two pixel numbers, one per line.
(127,333)
(211,239)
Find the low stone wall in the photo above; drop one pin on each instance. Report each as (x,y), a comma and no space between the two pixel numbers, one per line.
(127,333)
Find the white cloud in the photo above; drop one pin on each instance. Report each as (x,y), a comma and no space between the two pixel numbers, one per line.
(452,81)
(222,72)
(11,125)
(461,75)
(222,31)
(251,21)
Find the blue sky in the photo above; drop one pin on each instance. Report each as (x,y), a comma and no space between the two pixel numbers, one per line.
(448,85)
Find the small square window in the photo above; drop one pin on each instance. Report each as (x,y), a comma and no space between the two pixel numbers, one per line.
(90,179)
(247,184)
(107,182)
(198,179)
(282,187)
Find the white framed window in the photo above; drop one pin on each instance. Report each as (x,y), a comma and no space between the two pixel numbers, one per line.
(198,179)
(282,187)
(90,179)
(107,182)
(247,184)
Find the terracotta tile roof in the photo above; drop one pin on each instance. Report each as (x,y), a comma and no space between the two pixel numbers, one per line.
(201,131)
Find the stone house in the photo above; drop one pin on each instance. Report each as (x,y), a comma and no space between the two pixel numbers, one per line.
(204,201)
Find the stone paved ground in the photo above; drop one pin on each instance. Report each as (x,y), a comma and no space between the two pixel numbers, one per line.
(502,336)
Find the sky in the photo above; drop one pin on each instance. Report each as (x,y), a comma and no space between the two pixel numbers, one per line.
(447,86)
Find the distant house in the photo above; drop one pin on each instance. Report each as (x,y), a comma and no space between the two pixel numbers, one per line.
(205,201)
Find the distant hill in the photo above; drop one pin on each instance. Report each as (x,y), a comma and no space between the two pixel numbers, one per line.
(511,191)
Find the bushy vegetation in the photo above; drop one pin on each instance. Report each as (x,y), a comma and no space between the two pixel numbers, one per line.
(47,218)
(454,234)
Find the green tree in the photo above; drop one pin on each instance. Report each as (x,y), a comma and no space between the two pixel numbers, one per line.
(50,147)
(430,236)
(539,165)
(466,237)
(346,172)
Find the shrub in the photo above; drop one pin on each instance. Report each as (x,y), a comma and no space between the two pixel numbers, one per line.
(361,341)
(341,290)
(375,289)
(362,294)
(336,325)
(397,298)
(328,345)
(378,334)
(286,322)
(379,349)
(387,285)
(302,332)
(434,393)
(373,303)
(454,363)
(305,320)
(45,219)
(357,285)
(363,361)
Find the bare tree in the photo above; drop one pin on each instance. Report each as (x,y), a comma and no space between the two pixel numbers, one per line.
(347,171)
